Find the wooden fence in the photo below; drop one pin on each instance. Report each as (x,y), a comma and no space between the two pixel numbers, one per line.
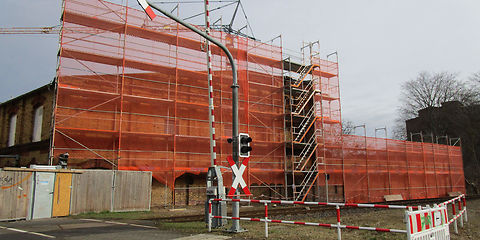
(91,191)
(115,191)
(15,191)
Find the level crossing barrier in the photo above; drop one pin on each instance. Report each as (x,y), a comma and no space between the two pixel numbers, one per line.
(337,206)
(458,204)
(435,219)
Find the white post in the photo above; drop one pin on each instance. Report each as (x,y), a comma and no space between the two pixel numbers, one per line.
(455,227)
(460,211)
(209,215)
(266,220)
(339,231)
(408,223)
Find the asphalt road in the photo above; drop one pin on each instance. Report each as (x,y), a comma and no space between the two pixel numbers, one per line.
(72,229)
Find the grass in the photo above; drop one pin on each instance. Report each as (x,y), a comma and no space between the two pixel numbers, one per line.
(384,218)
(373,218)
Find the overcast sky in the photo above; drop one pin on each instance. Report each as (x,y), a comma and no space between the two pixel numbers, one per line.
(381,43)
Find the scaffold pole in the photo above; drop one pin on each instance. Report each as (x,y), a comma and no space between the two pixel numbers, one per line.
(236,206)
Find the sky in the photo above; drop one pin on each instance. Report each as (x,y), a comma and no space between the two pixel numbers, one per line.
(380,43)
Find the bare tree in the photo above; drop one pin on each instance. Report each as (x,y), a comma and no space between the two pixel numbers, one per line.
(347,127)
(475,85)
(431,90)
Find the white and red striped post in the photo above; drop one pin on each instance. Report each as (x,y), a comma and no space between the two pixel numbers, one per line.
(454,214)
(209,215)
(266,220)
(339,231)
(408,220)
(460,211)
(147,9)
(211,114)
(465,208)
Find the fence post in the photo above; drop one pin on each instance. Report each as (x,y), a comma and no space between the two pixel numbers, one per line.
(266,220)
(339,232)
(407,221)
(460,211)
(465,207)
(455,228)
(209,215)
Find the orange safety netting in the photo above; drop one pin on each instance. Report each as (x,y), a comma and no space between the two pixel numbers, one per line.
(134,93)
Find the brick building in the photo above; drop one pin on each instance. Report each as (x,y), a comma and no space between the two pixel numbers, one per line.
(453,124)
(25,127)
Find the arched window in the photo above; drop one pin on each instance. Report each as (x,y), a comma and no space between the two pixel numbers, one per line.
(12,130)
(37,124)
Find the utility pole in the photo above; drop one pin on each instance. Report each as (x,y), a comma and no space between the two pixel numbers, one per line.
(236,205)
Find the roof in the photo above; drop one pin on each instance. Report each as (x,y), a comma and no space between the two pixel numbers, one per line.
(40,89)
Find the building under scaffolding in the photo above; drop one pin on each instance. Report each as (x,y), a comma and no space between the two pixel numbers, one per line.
(133,93)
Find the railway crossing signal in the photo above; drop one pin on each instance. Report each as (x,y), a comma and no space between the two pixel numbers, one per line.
(238,174)
(244,145)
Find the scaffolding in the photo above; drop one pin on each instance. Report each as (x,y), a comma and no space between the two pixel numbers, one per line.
(133,93)
(325,165)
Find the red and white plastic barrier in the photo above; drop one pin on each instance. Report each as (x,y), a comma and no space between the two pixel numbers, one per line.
(424,223)
(427,223)
(462,211)
(338,225)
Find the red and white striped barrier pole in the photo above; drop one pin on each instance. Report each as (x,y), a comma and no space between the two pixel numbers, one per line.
(211,108)
(338,225)
(318,203)
(453,199)
(454,219)
(456,216)
(460,211)
(209,215)
(313,224)
(339,232)
(266,220)
(147,9)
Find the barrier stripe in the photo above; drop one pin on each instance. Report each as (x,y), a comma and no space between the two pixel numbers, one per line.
(147,9)
(313,224)
(445,214)
(318,203)
(456,216)
(454,199)
(419,222)
(211,113)
(433,219)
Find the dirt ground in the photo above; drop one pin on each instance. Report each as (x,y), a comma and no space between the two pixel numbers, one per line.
(384,218)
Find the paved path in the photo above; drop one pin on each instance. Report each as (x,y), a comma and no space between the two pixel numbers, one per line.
(73,229)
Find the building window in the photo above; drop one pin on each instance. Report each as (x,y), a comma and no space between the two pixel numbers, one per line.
(12,130)
(37,124)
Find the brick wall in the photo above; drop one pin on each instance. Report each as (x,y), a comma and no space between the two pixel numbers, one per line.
(24,106)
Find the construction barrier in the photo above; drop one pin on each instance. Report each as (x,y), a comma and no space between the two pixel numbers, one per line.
(429,223)
(421,222)
(338,225)
(462,211)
